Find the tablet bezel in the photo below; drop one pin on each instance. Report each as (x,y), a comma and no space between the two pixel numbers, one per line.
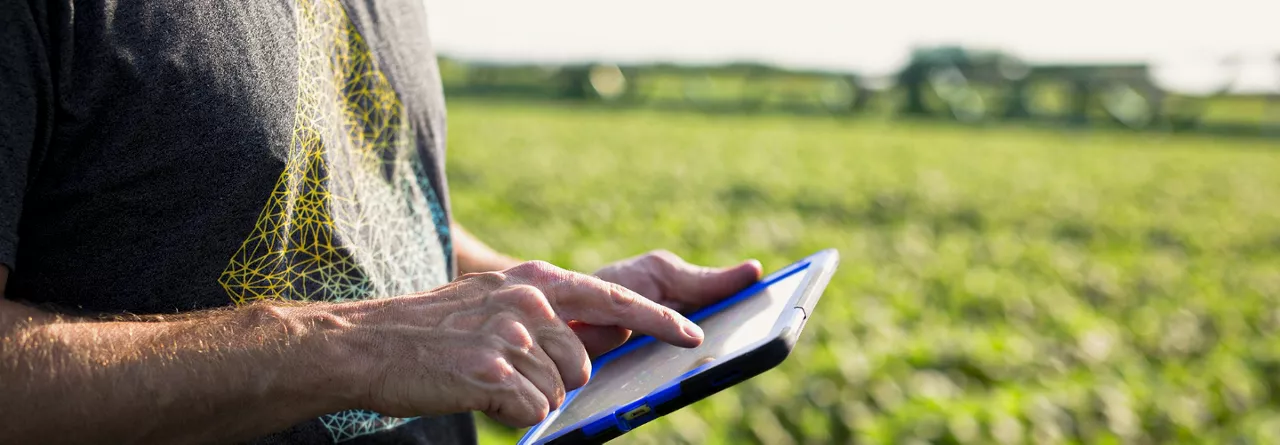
(710,378)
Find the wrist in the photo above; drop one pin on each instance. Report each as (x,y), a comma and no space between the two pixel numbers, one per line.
(315,366)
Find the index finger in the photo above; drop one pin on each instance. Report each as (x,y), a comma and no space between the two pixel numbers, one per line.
(594,301)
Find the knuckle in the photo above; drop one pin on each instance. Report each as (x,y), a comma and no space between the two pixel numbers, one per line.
(493,279)
(662,256)
(663,261)
(529,301)
(493,369)
(531,267)
(536,271)
(620,300)
(669,317)
(524,292)
(541,265)
(514,333)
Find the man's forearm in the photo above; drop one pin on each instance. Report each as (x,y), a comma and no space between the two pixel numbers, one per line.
(208,377)
(475,256)
(213,376)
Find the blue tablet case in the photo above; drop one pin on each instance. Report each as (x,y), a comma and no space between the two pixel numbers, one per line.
(620,419)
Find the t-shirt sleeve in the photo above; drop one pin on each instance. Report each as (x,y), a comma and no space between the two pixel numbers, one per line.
(24,88)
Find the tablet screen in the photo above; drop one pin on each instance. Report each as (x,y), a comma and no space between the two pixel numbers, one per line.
(640,372)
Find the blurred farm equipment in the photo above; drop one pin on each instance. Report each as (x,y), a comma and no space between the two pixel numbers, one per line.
(944,83)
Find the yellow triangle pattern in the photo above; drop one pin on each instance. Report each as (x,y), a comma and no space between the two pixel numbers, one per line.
(353,214)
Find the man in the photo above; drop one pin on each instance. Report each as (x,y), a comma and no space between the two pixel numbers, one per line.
(227,222)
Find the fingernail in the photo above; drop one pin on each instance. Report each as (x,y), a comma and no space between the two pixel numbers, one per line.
(692,330)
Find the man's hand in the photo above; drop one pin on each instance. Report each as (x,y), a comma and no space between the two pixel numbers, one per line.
(497,342)
(666,279)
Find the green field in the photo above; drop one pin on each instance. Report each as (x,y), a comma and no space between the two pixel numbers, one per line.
(997,285)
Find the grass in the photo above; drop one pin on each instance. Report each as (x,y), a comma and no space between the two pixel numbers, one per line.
(997,285)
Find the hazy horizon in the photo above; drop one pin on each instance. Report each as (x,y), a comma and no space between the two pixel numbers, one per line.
(1185,42)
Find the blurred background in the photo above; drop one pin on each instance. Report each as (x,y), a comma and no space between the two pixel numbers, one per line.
(1059,221)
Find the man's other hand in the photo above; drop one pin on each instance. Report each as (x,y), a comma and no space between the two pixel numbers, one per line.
(668,280)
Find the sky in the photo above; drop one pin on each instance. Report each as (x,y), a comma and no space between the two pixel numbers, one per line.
(1184,40)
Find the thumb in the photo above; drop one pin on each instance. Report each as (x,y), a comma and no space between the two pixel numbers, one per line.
(699,286)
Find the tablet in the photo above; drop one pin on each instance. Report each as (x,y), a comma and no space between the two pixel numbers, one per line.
(745,335)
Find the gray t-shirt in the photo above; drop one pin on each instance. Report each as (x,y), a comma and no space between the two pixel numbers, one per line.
(159,157)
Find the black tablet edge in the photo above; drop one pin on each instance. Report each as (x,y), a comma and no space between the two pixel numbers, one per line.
(700,386)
